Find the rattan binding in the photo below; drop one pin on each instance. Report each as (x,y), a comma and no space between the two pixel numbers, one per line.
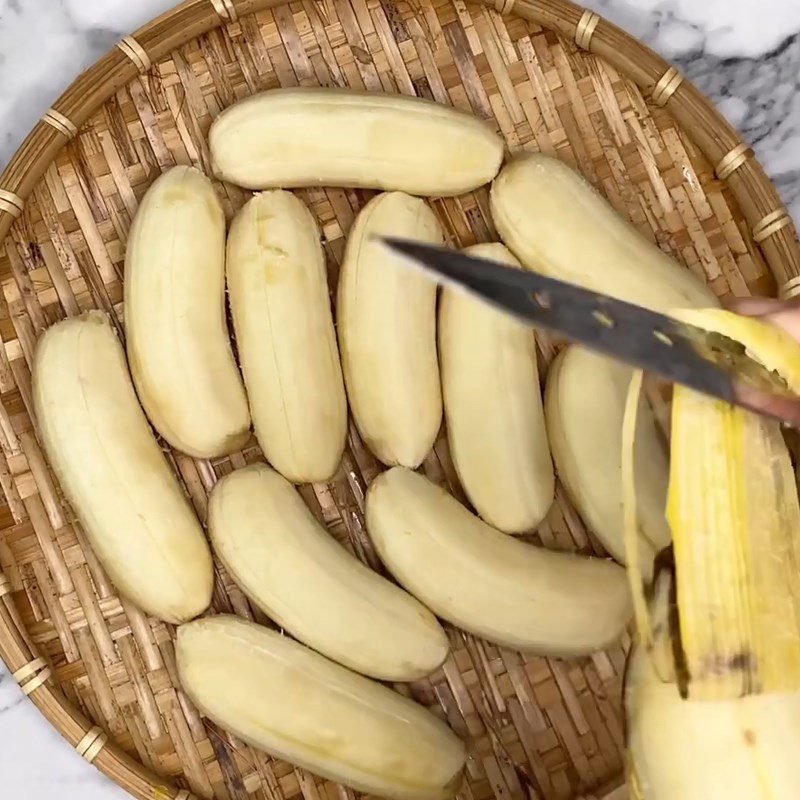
(771,224)
(790,289)
(135,53)
(90,746)
(32,675)
(226,10)
(586,27)
(11,203)
(667,86)
(58,121)
(733,160)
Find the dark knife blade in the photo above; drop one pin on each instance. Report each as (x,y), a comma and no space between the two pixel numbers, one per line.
(707,362)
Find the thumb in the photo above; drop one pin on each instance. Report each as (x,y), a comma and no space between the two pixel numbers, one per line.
(783,313)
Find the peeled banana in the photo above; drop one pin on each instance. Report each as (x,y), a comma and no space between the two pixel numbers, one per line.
(296,573)
(279,696)
(284,332)
(741,748)
(288,138)
(113,472)
(488,583)
(178,347)
(493,407)
(387,332)
(557,224)
(584,404)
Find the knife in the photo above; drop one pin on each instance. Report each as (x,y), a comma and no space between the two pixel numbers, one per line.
(702,360)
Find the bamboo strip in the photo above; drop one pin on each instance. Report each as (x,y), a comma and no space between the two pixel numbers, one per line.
(28,670)
(135,53)
(771,224)
(790,289)
(33,684)
(32,675)
(226,10)
(586,27)
(90,746)
(733,160)
(667,86)
(11,203)
(58,121)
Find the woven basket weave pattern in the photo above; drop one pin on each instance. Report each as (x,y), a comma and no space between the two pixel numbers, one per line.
(535,727)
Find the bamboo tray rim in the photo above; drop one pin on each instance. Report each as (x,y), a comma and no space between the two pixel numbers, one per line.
(771,228)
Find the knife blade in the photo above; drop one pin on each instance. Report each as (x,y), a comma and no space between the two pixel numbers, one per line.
(678,352)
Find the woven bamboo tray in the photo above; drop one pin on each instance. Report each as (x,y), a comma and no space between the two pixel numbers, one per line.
(550,76)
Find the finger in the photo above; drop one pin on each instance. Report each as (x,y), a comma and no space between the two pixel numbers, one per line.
(787,318)
(783,313)
(756,306)
(769,404)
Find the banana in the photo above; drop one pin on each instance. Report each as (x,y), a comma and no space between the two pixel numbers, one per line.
(298,575)
(584,405)
(387,332)
(557,224)
(281,697)
(113,472)
(178,347)
(289,138)
(744,748)
(284,332)
(488,583)
(493,407)
(712,694)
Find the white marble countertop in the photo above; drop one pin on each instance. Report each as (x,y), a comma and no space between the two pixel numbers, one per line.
(749,63)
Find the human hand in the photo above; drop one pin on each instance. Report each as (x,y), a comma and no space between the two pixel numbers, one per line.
(783,313)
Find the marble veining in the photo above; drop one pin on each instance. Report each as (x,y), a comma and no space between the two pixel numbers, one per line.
(746,56)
